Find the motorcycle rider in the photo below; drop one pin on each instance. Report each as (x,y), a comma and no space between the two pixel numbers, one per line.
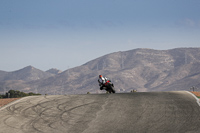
(102,81)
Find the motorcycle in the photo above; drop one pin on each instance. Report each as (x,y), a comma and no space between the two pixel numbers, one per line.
(108,86)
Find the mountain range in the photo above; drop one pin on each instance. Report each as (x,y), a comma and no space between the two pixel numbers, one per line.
(138,69)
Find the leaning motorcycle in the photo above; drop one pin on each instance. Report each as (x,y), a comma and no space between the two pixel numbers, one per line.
(108,86)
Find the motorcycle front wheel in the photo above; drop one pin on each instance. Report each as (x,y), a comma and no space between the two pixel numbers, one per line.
(111,89)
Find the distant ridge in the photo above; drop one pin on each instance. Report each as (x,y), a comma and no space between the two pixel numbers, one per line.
(28,73)
(139,69)
(54,71)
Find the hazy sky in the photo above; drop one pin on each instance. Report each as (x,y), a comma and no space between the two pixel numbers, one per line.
(67,33)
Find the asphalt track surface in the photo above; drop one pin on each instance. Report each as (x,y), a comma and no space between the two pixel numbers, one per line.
(141,112)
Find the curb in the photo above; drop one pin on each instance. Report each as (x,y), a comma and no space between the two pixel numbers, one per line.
(198,100)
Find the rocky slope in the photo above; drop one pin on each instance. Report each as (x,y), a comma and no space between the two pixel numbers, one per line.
(54,71)
(140,69)
(19,79)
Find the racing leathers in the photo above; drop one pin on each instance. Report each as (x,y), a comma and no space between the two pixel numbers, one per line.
(102,81)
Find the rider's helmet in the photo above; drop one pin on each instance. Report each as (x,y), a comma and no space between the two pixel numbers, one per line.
(100,76)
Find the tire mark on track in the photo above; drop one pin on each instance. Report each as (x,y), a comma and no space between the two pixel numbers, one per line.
(41,110)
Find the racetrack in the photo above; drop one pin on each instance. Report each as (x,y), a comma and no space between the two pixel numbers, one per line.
(141,112)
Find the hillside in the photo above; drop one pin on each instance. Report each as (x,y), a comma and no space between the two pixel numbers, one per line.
(28,73)
(140,69)
(18,79)
(54,71)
